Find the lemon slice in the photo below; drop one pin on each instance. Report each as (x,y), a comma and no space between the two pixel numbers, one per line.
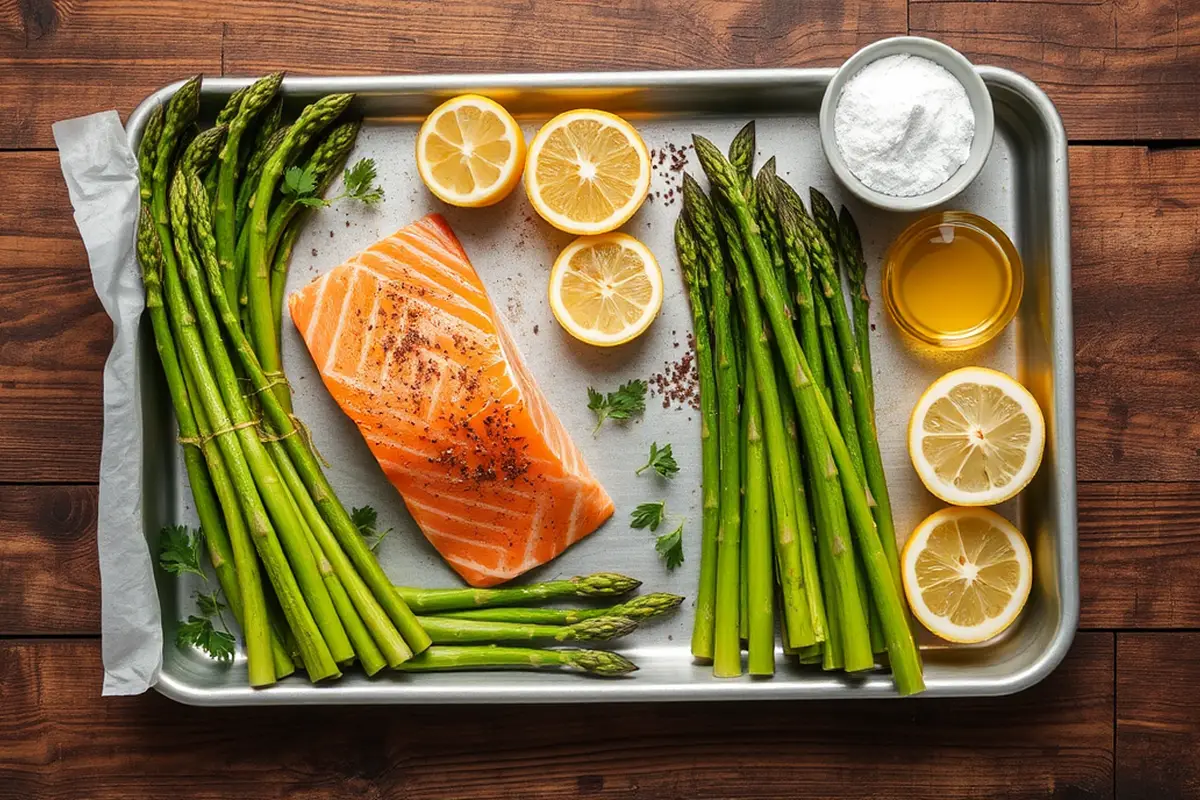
(967,573)
(976,437)
(588,171)
(470,151)
(605,290)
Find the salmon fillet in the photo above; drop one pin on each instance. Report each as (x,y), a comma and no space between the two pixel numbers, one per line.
(412,349)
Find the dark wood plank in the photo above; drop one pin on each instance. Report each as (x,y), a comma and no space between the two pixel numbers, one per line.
(48,561)
(553,35)
(1139,553)
(1115,70)
(57,735)
(1158,715)
(61,60)
(1136,259)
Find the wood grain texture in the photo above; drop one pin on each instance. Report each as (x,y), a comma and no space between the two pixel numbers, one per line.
(1158,716)
(48,561)
(1139,554)
(1116,70)
(65,59)
(56,735)
(552,35)
(1135,237)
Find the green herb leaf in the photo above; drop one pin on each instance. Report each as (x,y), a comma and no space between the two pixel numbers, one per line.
(648,515)
(312,202)
(209,604)
(179,550)
(366,519)
(627,400)
(670,547)
(199,632)
(299,182)
(662,461)
(360,182)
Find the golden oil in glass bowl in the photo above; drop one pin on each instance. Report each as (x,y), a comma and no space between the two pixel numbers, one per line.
(952,280)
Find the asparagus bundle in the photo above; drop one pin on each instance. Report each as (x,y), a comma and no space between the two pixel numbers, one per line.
(810,447)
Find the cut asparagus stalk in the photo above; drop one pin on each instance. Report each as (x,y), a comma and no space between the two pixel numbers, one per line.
(639,608)
(433,601)
(592,662)
(727,648)
(448,630)
(696,279)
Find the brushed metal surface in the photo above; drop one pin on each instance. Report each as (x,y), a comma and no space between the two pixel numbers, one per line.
(1022,188)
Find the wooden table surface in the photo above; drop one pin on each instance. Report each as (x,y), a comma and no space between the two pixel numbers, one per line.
(1120,717)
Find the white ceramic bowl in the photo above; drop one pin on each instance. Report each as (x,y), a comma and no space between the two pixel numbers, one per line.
(977,93)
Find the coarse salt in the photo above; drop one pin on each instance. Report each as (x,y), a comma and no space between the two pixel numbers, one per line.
(904,125)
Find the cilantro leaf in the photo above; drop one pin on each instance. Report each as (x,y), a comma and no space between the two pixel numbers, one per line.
(627,400)
(366,519)
(199,632)
(670,547)
(299,182)
(209,604)
(648,515)
(662,461)
(360,182)
(179,550)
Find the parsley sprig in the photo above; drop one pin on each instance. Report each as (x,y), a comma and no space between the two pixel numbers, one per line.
(648,515)
(179,554)
(366,519)
(359,184)
(179,550)
(627,400)
(669,545)
(661,461)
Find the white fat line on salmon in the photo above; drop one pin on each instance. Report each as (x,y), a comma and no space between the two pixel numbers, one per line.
(322,282)
(535,532)
(457,284)
(432,533)
(369,334)
(475,566)
(442,256)
(469,505)
(573,525)
(342,314)
(404,274)
(446,515)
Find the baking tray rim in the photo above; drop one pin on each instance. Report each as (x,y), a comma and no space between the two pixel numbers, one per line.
(1062,370)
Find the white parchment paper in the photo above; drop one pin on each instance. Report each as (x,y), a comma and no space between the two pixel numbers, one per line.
(101,175)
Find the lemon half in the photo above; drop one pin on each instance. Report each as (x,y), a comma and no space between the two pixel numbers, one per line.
(470,151)
(606,290)
(588,171)
(976,437)
(967,573)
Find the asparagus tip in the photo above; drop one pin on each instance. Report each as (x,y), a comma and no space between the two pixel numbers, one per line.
(604,584)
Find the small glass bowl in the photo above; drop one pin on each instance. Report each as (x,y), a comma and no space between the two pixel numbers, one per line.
(1013,276)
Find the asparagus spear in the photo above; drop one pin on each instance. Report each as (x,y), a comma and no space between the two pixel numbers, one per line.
(822,257)
(741,151)
(328,640)
(592,662)
(768,219)
(249,182)
(801,270)
(727,650)
(696,279)
(760,577)
(855,267)
(447,630)
(432,601)
(817,424)
(391,624)
(312,121)
(639,608)
(224,117)
(803,608)
(257,98)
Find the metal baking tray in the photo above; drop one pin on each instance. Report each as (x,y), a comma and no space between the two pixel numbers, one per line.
(1023,189)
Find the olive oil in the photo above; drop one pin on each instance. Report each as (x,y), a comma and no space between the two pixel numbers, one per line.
(952,280)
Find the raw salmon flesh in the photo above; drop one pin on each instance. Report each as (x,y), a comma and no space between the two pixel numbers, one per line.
(412,349)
